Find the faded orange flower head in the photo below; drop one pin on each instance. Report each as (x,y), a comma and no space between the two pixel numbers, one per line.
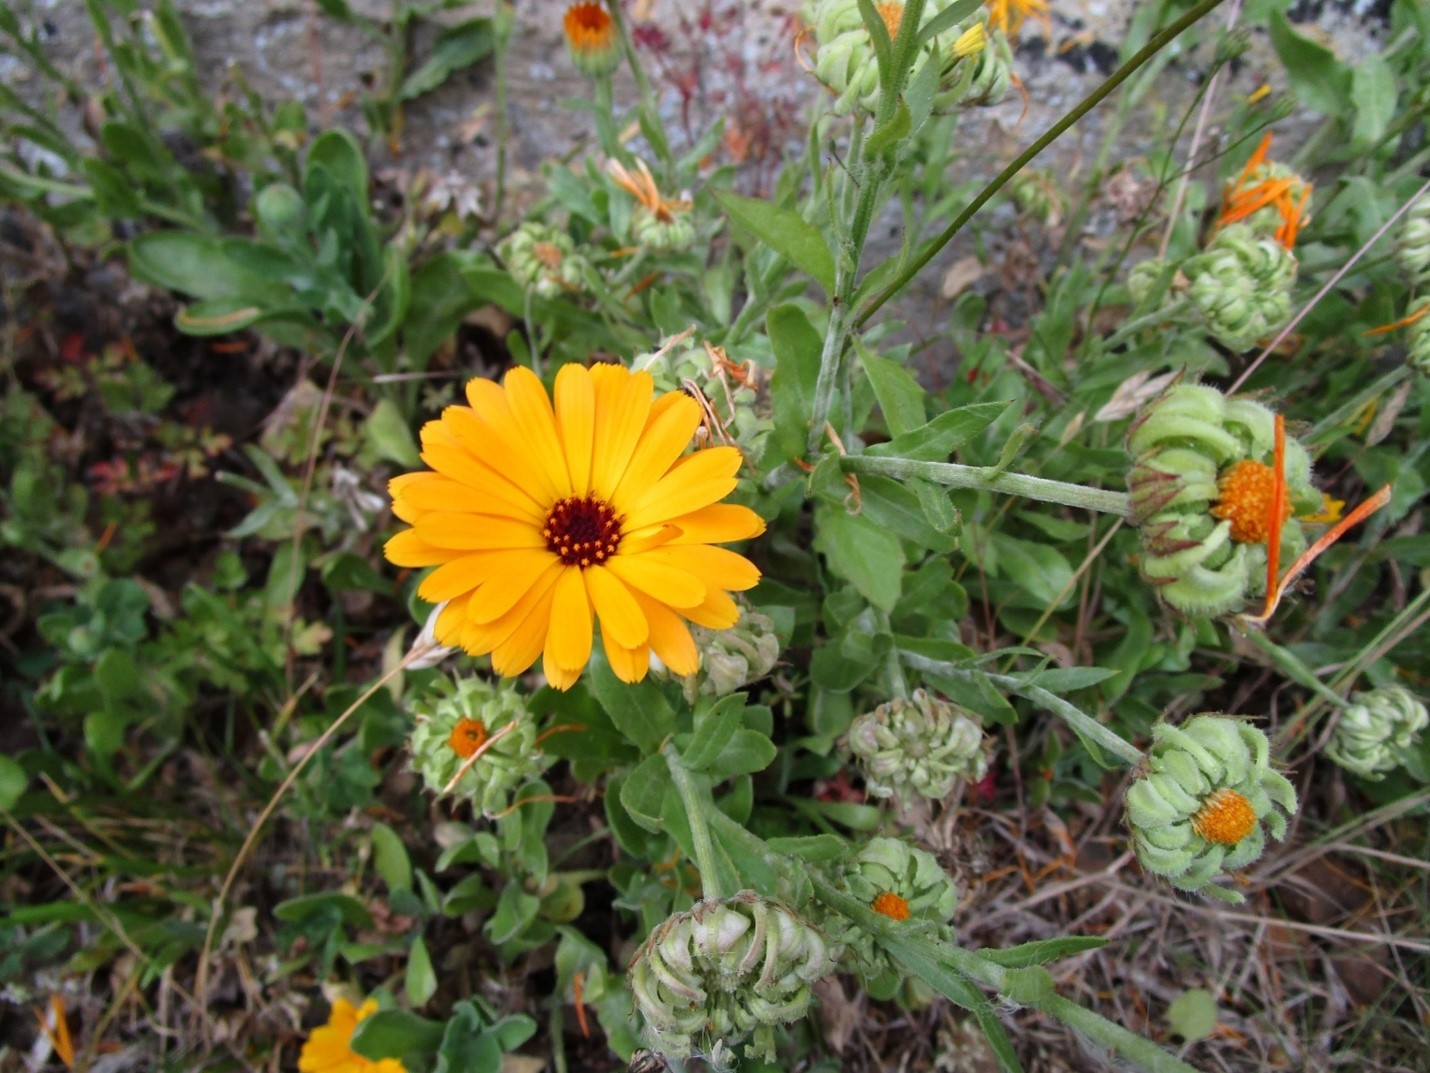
(329,1048)
(591,38)
(542,519)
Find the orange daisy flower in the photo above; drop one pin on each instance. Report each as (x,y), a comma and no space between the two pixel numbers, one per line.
(591,39)
(542,519)
(1262,184)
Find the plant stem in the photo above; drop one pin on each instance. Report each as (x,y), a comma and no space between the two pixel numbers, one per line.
(504,19)
(1087,104)
(1290,664)
(696,804)
(953,475)
(1083,724)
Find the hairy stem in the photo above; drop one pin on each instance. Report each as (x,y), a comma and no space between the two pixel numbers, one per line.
(697,805)
(953,475)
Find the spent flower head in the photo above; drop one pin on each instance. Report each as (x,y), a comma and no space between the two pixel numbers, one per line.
(918,745)
(543,259)
(1378,731)
(1203,804)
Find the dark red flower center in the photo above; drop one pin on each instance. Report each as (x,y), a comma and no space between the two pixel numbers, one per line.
(582,530)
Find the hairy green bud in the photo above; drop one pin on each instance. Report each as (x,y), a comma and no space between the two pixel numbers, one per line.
(919,745)
(452,726)
(1241,285)
(726,971)
(1412,242)
(1376,733)
(1204,802)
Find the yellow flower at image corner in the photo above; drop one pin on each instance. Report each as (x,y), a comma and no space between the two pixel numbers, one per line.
(542,519)
(1009,15)
(329,1048)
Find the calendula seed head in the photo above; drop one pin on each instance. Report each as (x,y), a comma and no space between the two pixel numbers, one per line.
(1205,801)
(543,259)
(1378,731)
(920,745)
(1241,286)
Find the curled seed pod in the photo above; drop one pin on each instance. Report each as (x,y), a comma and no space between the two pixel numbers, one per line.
(905,884)
(920,745)
(1378,731)
(1205,801)
(1201,488)
(726,971)
(543,259)
(734,394)
(1412,242)
(1241,285)
(454,724)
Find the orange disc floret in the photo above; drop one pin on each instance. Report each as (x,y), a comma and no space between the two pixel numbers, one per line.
(1226,817)
(1248,489)
(467,737)
(891,905)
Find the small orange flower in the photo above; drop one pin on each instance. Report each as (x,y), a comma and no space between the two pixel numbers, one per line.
(467,737)
(1247,493)
(891,905)
(1288,194)
(641,186)
(1009,15)
(1226,817)
(591,39)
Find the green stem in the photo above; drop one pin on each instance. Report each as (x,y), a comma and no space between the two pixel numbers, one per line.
(696,807)
(953,475)
(1290,664)
(606,118)
(1088,103)
(1086,727)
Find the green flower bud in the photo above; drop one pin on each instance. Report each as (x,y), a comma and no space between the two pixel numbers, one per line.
(543,259)
(1377,731)
(453,725)
(1417,340)
(1201,486)
(591,39)
(1142,280)
(922,745)
(903,883)
(980,78)
(279,210)
(1241,285)
(725,971)
(673,233)
(735,396)
(1205,801)
(1412,242)
(733,658)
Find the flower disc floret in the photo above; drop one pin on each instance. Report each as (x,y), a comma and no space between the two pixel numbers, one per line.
(1204,803)
(725,972)
(542,519)
(1377,731)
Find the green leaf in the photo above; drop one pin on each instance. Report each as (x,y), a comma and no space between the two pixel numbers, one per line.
(810,848)
(639,711)
(13,781)
(421,981)
(900,397)
(338,153)
(1039,570)
(197,265)
(441,297)
(411,1039)
(784,231)
(386,432)
(948,18)
(1318,79)
(468,1046)
(900,509)
(1192,1014)
(644,791)
(797,348)
(946,433)
(1374,92)
(937,507)
(887,137)
(516,909)
(713,731)
(389,857)
(747,752)
(353,913)
(862,553)
(1067,679)
(1042,951)
(456,49)
(218,316)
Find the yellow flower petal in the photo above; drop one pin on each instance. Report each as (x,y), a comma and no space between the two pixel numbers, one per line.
(475,531)
(623,400)
(717,524)
(660,580)
(670,638)
(576,420)
(491,428)
(695,481)
(515,573)
(716,612)
(720,567)
(531,408)
(629,664)
(519,651)
(568,644)
(408,549)
(662,443)
(620,614)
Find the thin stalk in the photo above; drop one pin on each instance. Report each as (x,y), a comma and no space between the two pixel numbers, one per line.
(606,118)
(953,475)
(696,807)
(1086,726)
(504,25)
(1291,665)
(648,103)
(1088,103)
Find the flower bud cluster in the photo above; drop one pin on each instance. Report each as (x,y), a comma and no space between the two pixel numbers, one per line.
(846,63)
(1378,731)
(1201,489)
(725,971)
(543,259)
(459,720)
(905,884)
(1241,284)
(735,397)
(919,745)
(1205,801)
